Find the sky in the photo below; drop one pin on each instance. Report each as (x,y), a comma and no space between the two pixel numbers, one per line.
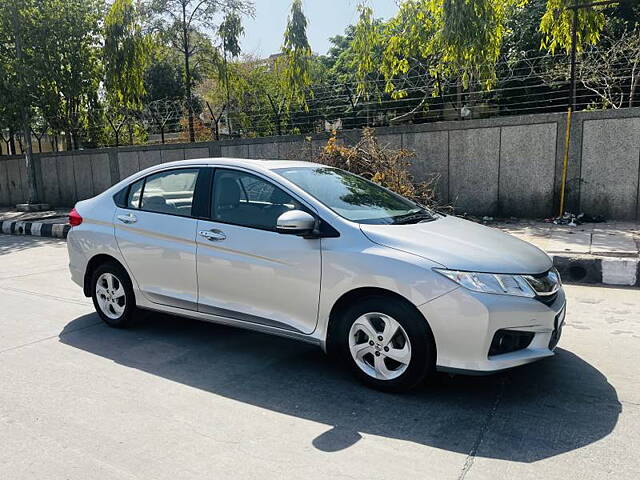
(327,18)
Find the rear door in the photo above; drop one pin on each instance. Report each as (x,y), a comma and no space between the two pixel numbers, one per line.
(156,233)
(246,270)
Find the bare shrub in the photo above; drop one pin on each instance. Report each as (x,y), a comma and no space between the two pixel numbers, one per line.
(380,164)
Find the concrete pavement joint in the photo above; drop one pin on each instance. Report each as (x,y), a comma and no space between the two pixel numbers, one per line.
(18,347)
(51,270)
(54,297)
(468,463)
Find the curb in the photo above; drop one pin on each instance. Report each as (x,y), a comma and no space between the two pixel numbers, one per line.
(620,271)
(38,229)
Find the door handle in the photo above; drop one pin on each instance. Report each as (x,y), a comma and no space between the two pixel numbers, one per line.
(129,218)
(213,235)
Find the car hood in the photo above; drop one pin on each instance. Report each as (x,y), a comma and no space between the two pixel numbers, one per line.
(459,244)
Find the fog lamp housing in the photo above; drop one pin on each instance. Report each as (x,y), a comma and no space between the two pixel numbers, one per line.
(507,341)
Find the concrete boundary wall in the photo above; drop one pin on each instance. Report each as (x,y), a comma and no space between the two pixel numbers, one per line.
(506,166)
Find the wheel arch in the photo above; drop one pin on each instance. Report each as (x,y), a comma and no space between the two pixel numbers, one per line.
(95,262)
(360,293)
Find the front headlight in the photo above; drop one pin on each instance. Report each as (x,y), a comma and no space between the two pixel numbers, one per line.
(497,283)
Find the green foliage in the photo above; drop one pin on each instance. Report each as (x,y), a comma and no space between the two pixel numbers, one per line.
(469,35)
(556,25)
(86,66)
(15,20)
(458,39)
(410,35)
(366,37)
(126,55)
(60,71)
(163,78)
(296,57)
(230,31)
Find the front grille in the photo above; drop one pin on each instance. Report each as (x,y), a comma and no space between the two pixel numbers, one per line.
(548,299)
(546,285)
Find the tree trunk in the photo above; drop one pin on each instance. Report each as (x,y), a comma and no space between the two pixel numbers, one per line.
(187,72)
(632,92)
(276,114)
(12,143)
(162,133)
(226,81)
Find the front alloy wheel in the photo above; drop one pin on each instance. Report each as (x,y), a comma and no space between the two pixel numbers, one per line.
(386,341)
(380,346)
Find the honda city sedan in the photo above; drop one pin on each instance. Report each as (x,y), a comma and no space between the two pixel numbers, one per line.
(395,290)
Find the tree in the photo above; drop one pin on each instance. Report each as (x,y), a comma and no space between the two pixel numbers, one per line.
(126,55)
(296,58)
(434,44)
(186,23)
(15,23)
(10,94)
(67,64)
(163,78)
(366,38)
(230,31)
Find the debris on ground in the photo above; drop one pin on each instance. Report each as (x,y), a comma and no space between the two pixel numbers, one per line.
(573,220)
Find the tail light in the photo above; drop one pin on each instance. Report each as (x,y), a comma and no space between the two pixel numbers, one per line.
(74,218)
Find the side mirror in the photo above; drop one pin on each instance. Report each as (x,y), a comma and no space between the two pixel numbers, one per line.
(295,222)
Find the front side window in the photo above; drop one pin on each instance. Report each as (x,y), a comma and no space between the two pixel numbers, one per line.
(354,197)
(243,199)
(169,192)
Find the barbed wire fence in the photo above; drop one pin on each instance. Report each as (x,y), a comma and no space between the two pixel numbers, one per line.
(526,83)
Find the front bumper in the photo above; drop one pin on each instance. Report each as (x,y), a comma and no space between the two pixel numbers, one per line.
(464,324)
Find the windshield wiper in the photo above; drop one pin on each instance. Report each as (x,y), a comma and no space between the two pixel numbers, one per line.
(414,218)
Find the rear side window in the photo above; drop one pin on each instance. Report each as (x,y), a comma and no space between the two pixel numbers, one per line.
(133,199)
(168,192)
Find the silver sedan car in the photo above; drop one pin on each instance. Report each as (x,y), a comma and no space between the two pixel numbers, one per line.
(317,254)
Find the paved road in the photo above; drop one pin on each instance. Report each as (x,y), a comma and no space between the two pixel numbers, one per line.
(179,399)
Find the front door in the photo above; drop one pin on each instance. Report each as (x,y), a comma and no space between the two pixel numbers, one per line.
(246,270)
(156,236)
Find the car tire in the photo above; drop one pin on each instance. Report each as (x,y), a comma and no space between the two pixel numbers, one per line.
(112,295)
(365,340)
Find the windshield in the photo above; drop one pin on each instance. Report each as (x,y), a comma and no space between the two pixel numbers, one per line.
(354,197)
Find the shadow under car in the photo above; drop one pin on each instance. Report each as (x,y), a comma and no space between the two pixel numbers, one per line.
(525,415)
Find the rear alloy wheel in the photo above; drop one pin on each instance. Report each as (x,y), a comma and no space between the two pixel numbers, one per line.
(387,343)
(113,295)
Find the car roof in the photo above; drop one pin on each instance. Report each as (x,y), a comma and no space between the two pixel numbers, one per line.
(257,164)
